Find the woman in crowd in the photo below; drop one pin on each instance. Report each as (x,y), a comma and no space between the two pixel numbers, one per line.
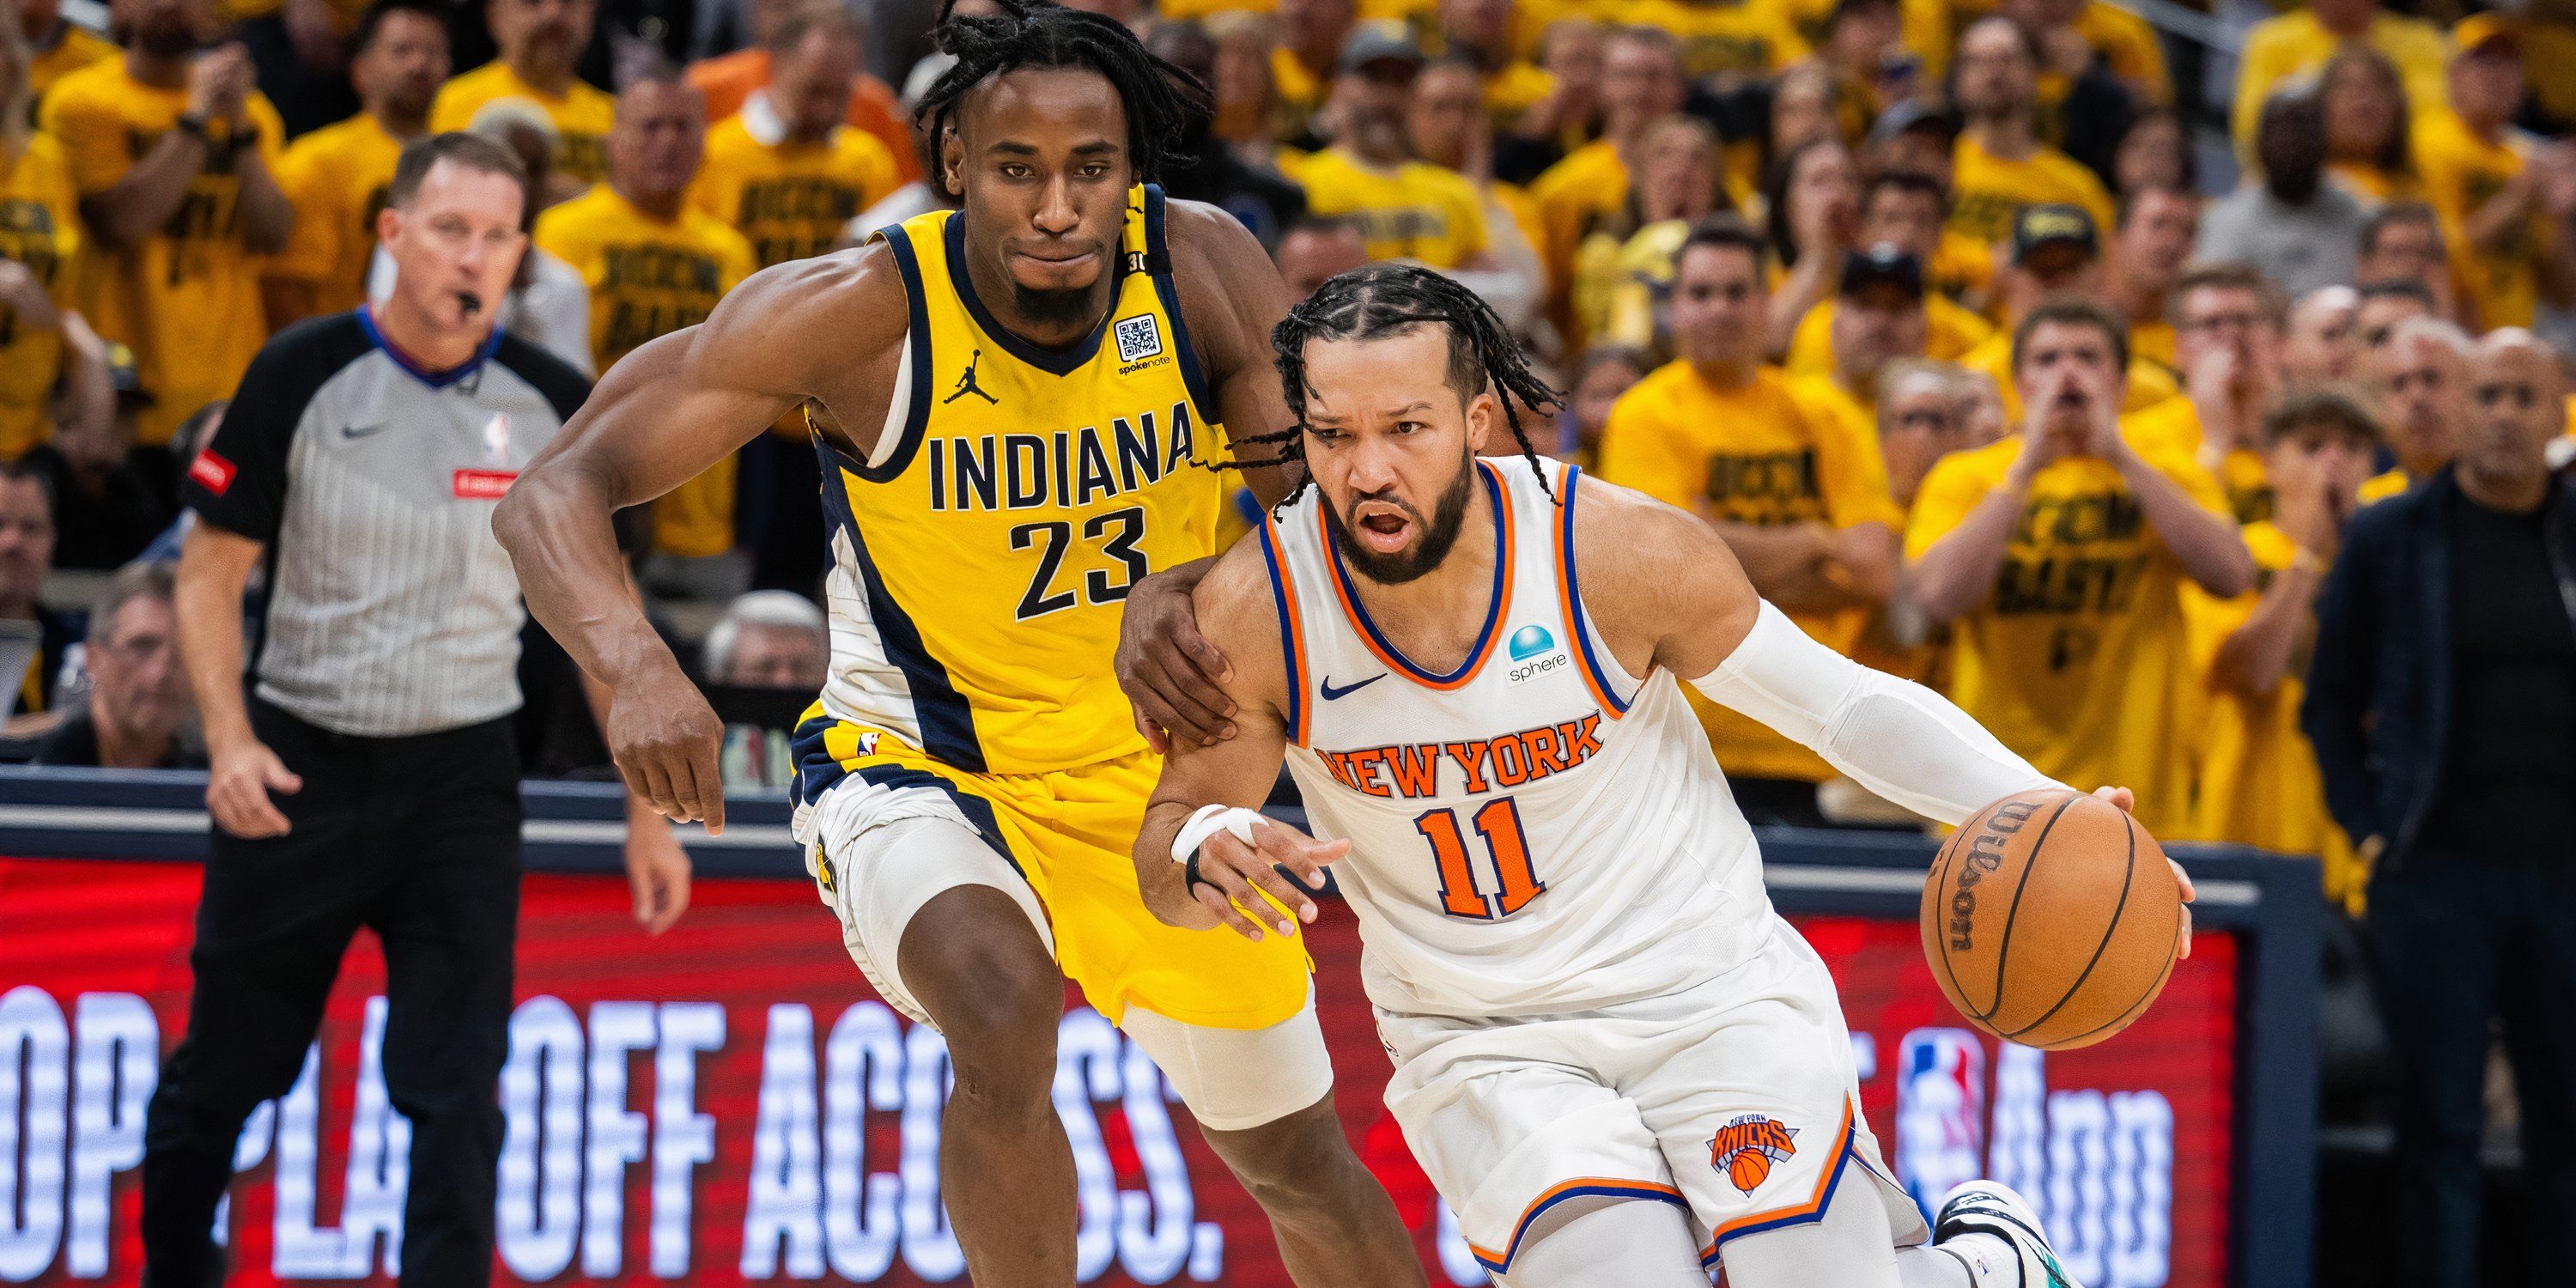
(2367,126)
(1625,264)
(2155,153)
(1812,210)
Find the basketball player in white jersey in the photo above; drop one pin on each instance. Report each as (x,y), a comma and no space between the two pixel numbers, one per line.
(1616,1062)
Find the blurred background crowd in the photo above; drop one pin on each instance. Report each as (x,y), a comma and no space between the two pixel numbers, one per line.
(1789,258)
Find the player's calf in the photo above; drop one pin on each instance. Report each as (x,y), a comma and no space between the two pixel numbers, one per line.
(1335,1223)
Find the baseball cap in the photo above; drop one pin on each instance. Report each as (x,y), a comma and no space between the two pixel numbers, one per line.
(1883,264)
(1908,115)
(2036,227)
(2479,30)
(1376,42)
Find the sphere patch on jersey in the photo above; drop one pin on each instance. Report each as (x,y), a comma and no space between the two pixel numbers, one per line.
(1530,641)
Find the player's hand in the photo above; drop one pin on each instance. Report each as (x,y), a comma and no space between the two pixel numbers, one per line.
(237,787)
(2128,803)
(1235,877)
(656,868)
(665,740)
(1169,671)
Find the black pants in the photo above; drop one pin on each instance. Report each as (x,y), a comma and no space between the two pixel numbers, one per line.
(2452,946)
(417,838)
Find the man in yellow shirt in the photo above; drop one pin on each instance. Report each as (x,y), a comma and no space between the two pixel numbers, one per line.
(2058,555)
(787,172)
(2503,200)
(2259,784)
(2157,229)
(1311,36)
(2229,324)
(1799,496)
(729,81)
(1406,209)
(654,264)
(540,43)
(1901,209)
(2000,164)
(173,152)
(2056,251)
(338,175)
(2301,40)
(1641,83)
(1481,33)
(1911,207)
(56,47)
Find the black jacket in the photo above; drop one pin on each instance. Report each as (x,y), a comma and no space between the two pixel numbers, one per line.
(2378,706)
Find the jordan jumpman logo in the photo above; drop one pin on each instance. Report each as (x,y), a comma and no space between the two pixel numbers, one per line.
(966,383)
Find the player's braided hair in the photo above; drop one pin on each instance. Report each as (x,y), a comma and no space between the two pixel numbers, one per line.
(1387,298)
(1160,99)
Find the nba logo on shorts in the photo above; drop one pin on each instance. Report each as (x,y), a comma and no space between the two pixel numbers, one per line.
(1138,337)
(1940,1112)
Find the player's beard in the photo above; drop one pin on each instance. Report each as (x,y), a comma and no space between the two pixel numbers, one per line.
(1068,307)
(1438,535)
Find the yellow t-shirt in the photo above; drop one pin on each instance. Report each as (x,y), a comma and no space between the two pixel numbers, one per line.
(1513,90)
(337,176)
(40,228)
(2461,173)
(1961,266)
(647,278)
(1761,455)
(2149,383)
(75,50)
(2153,340)
(186,299)
(1953,333)
(2296,43)
(1987,190)
(1415,211)
(2380,487)
(1753,38)
(2373,185)
(2174,425)
(2259,784)
(2077,658)
(2129,47)
(583,115)
(791,200)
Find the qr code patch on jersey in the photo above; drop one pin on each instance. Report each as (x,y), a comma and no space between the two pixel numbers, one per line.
(1138,337)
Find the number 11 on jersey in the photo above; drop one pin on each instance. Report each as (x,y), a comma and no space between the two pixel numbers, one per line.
(1498,824)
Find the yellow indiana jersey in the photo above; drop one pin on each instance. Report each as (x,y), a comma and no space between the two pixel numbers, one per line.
(1987,189)
(2077,658)
(1414,211)
(1763,455)
(582,114)
(337,176)
(1953,333)
(2259,784)
(185,299)
(2462,172)
(40,228)
(649,277)
(981,559)
(791,200)
(73,49)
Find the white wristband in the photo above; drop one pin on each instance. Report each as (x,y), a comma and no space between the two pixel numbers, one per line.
(1207,821)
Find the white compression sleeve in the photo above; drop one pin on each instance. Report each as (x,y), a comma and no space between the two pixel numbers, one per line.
(1896,738)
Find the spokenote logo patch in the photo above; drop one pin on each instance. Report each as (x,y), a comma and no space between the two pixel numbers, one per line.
(1534,653)
(1138,337)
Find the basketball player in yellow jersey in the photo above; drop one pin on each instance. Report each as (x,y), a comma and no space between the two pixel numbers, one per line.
(1017,405)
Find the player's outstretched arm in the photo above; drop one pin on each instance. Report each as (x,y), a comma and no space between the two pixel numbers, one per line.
(1676,599)
(666,412)
(1203,809)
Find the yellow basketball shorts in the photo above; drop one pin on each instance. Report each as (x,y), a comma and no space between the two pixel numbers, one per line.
(1059,843)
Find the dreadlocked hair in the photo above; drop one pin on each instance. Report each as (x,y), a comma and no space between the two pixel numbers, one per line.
(1161,100)
(1386,299)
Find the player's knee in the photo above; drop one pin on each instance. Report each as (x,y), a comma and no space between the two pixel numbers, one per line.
(999,1015)
(1299,1166)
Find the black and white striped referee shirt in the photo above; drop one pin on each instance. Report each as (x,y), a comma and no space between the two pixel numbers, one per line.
(392,609)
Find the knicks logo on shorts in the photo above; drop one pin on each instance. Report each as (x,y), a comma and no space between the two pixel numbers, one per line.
(1746,1147)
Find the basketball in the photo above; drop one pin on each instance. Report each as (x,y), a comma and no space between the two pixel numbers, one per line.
(2051,919)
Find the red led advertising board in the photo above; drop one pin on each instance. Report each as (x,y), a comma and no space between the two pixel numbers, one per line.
(729,1103)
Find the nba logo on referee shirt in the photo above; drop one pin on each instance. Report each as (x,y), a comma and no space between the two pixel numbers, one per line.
(1138,337)
(489,484)
(496,440)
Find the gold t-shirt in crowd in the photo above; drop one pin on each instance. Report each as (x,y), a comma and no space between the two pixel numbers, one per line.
(2077,658)
(2259,784)
(2174,425)
(1953,333)
(1961,266)
(337,176)
(2296,43)
(1413,211)
(791,200)
(583,114)
(185,299)
(2461,173)
(1752,38)
(75,49)
(1758,455)
(1986,190)
(2153,340)
(40,228)
(649,277)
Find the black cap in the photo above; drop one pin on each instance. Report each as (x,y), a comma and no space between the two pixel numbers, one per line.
(2040,226)
(1885,264)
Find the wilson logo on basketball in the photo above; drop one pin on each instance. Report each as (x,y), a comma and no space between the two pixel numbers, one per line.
(1985,854)
(1746,1147)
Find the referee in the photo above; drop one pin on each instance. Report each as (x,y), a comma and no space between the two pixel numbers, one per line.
(369,776)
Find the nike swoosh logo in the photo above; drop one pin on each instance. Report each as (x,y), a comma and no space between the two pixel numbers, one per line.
(359,431)
(1331,693)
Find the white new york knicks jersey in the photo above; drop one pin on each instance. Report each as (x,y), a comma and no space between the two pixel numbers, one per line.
(1537,831)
